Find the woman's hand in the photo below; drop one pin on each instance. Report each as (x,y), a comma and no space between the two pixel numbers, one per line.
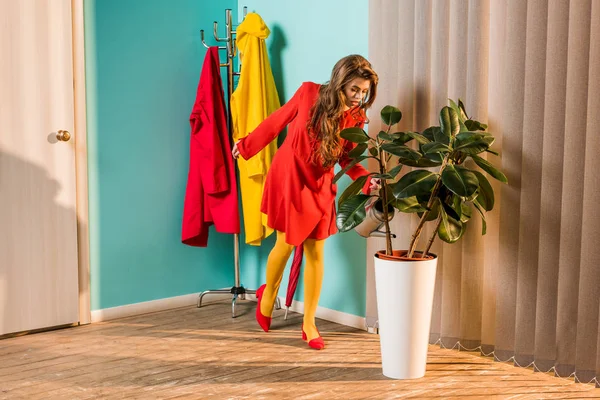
(235,152)
(375,184)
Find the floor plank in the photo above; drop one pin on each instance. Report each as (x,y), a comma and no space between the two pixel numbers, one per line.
(192,353)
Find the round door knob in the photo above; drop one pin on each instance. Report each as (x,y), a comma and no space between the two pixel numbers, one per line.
(63,136)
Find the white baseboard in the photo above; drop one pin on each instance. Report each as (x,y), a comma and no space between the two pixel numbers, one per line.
(328,314)
(169,303)
(154,306)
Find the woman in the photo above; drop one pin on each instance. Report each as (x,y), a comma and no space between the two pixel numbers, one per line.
(299,195)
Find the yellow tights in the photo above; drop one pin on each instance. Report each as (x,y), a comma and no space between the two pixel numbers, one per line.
(313,279)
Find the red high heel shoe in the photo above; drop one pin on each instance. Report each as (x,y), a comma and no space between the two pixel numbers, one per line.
(317,343)
(264,322)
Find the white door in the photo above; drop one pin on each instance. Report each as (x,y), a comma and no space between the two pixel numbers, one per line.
(38,222)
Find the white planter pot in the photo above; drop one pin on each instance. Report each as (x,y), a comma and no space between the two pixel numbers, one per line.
(404,302)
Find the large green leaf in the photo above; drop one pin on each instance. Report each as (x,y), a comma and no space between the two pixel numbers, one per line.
(486,192)
(472,142)
(460,180)
(382,176)
(401,150)
(463,110)
(474,125)
(434,212)
(353,189)
(471,197)
(435,147)
(489,168)
(400,137)
(350,165)
(418,137)
(355,135)
(450,230)
(454,209)
(444,192)
(351,212)
(383,135)
(460,206)
(358,150)
(407,205)
(395,171)
(396,137)
(435,157)
(414,183)
(449,125)
(423,198)
(440,137)
(391,115)
(466,213)
(483,223)
(462,115)
(423,162)
(454,106)
(431,133)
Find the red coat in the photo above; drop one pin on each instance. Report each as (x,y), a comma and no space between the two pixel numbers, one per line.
(299,196)
(211,193)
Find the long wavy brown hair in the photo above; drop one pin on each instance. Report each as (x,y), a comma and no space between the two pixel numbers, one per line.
(326,113)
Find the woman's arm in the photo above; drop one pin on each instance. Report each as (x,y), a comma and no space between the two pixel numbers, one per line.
(269,129)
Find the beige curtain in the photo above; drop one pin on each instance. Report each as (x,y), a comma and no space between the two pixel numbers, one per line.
(529,289)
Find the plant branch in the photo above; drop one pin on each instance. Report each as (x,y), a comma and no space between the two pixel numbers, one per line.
(434,193)
(384,190)
(384,194)
(432,238)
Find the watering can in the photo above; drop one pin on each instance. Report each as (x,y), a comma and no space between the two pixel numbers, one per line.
(370,227)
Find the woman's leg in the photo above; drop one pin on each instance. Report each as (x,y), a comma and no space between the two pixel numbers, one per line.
(313,279)
(275,265)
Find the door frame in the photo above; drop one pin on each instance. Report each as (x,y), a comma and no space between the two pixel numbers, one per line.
(81,170)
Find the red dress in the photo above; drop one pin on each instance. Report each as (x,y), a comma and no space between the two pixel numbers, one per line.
(299,196)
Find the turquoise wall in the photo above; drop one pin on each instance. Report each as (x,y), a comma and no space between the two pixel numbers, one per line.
(307,38)
(143,60)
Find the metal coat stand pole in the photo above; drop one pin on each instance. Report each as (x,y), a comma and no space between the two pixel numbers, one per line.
(237,291)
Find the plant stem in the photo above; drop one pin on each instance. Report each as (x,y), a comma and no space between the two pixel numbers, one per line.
(434,192)
(432,238)
(384,194)
(384,189)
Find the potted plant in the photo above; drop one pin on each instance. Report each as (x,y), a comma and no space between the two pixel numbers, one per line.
(443,189)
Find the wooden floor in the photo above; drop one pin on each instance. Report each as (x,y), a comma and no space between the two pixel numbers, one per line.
(204,353)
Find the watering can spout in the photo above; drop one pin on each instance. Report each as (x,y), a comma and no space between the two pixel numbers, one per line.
(379,233)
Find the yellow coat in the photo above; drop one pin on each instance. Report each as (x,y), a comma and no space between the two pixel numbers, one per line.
(254,99)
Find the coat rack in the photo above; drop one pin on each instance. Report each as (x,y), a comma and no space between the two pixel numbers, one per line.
(238,291)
